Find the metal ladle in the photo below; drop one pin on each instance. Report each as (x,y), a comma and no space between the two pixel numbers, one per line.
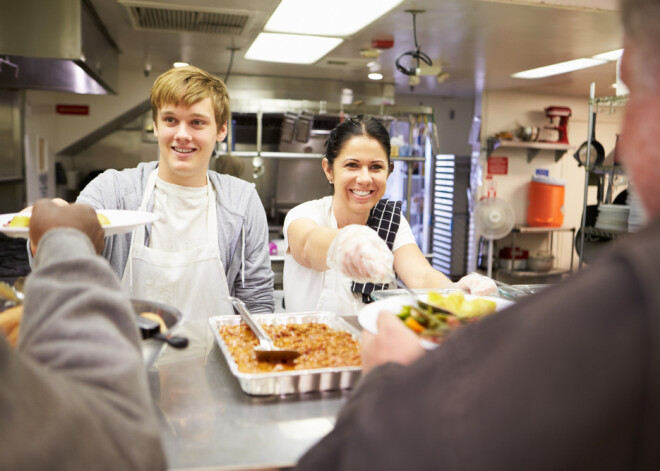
(266,350)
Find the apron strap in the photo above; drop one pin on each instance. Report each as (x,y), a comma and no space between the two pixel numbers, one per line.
(139,233)
(384,218)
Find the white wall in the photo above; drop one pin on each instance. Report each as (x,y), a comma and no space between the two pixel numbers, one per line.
(504,111)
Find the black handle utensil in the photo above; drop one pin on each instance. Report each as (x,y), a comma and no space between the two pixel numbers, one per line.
(151,330)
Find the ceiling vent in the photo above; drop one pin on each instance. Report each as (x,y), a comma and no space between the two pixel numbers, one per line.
(178,20)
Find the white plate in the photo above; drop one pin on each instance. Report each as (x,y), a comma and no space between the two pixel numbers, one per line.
(614,208)
(120,222)
(369,314)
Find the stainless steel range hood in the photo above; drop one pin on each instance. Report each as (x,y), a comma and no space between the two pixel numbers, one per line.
(58,45)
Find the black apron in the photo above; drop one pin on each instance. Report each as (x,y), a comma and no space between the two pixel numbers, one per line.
(384,218)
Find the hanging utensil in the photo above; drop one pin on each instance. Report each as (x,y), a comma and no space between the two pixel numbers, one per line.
(597,152)
(266,350)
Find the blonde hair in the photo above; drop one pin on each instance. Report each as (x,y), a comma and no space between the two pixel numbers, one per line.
(188,85)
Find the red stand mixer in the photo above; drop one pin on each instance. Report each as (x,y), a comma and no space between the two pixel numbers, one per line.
(563,113)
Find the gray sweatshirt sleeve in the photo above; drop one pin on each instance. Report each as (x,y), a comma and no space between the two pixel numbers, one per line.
(256,290)
(75,389)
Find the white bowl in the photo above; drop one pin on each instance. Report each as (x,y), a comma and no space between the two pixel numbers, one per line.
(541,263)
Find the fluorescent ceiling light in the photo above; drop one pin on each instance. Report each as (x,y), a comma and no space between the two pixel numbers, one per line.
(290,48)
(556,69)
(609,56)
(327,17)
(180,64)
(375,76)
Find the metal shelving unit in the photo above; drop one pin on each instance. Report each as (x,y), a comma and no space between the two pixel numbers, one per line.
(540,230)
(611,102)
(533,148)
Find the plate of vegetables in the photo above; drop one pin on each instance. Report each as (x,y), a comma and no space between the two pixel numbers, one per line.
(433,315)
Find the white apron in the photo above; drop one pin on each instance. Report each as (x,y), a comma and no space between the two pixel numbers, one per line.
(336,295)
(193,281)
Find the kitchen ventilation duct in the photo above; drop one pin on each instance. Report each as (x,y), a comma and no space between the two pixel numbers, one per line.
(175,18)
(57,45)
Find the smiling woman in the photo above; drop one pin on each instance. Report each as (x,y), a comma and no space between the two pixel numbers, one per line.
(342,247)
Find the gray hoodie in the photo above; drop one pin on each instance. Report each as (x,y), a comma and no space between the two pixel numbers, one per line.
(242,228)
(74,393)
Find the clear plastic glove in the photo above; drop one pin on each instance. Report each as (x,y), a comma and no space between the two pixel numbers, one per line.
(478,285)
(360,254)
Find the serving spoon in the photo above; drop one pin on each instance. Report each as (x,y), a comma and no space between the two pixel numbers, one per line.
(266,350)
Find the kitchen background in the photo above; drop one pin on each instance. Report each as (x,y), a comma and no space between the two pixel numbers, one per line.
(55,138)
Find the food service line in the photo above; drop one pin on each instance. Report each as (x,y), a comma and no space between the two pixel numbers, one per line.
(208,422)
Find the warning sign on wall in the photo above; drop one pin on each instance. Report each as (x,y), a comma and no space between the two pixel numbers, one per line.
(72,109)
(498,165)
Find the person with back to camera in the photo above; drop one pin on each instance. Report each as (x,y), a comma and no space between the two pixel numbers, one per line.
(211,238)
(566,379)
(74,392)
(342,247)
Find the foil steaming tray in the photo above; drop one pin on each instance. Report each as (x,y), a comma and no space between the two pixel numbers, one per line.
(292,381)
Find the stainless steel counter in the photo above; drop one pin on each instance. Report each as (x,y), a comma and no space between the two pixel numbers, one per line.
(208,422)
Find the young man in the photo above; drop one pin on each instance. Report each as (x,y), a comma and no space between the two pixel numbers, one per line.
(566,379)
(74,392)
(211,238)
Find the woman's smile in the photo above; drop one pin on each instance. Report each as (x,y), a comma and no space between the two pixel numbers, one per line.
(361,193)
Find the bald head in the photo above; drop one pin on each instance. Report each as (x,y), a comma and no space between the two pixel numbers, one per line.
(640,70)
(641,26)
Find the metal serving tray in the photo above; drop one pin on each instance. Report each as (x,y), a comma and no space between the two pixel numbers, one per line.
(290,382)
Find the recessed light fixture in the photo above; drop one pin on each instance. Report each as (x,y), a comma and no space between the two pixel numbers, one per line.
(560,68)
(570,66)
(290,48)
(180,64)
(327,18)
(375,76)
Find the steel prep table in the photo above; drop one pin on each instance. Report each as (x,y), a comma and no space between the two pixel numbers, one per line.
(209,423)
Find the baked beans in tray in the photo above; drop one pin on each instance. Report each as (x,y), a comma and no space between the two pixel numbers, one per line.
(329,346)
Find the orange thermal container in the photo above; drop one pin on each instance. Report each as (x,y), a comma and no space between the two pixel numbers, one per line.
(546,202)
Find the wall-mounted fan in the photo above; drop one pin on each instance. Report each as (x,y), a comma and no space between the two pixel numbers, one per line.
(494,219)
